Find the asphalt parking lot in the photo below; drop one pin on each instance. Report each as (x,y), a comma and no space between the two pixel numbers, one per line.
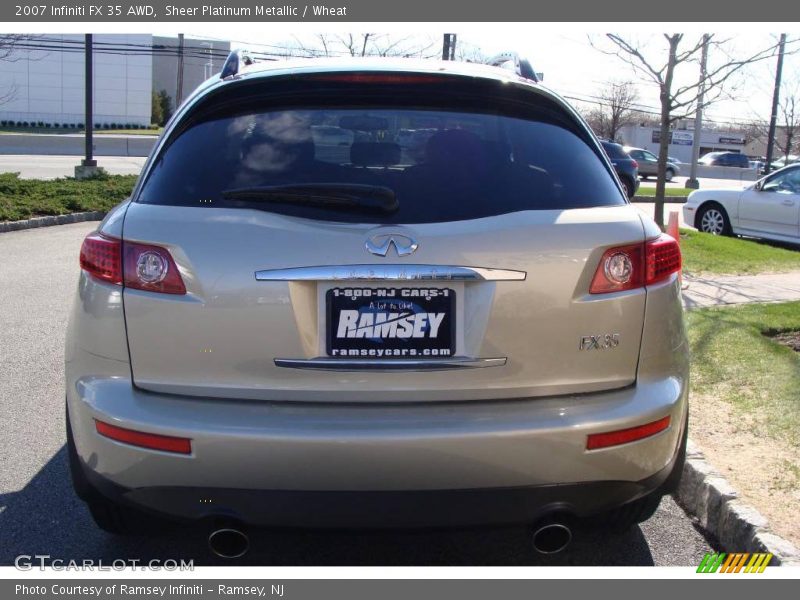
(39,513)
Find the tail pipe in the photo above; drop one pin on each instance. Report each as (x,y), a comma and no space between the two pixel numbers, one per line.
(228,542)
(551,536)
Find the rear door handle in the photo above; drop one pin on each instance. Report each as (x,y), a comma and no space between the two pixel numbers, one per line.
(788,202)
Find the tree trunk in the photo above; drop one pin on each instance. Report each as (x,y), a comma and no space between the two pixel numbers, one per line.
(663,149)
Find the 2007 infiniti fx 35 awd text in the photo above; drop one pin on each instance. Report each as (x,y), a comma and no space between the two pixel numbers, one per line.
(376,293)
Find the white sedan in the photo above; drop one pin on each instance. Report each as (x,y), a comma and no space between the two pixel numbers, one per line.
(769,208)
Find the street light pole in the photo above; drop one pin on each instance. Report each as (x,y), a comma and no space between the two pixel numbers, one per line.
(773,118)
(89,160)
(692,182)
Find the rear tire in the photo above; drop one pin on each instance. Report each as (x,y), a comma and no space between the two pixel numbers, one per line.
(669,174)
(630,514)
(633,513)
(109,516)
(629,188)
(713,219)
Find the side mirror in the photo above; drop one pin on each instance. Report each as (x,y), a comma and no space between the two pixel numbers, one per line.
(758,185)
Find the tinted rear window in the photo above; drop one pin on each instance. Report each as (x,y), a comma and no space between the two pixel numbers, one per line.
(441,165)
(614,150)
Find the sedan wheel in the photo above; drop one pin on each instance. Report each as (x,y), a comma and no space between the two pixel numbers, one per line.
(669,175)
(713,221)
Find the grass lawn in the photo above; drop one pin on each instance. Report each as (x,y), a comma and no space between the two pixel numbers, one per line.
(651,191)
(706,253)
(744,407)
(733,359)
(24,198)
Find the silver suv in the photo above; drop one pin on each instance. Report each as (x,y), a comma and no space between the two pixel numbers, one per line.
(276,330)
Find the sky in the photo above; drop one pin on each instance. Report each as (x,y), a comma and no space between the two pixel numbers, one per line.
(571,66)
(574,68)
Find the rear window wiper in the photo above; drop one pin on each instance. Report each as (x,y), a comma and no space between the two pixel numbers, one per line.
(341,196)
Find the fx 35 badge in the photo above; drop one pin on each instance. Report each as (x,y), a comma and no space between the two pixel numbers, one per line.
(604,341)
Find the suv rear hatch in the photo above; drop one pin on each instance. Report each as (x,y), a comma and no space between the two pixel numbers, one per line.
(381,237)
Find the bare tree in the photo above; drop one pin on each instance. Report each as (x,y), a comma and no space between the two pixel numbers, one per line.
(615,109)
(9,52)
(362,44)
(789,119)
(787,136)
(678,101)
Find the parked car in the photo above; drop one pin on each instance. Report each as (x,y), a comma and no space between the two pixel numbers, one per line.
(491,334)
(725,159)
(770,208)
(648,163)
(627,169)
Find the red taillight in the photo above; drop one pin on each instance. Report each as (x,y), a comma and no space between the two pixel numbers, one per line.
(663,258)
(138,266)
(101,257)
(152,441)
(151,268)
(623,436)
(635,164)
(608,279)
(634,266)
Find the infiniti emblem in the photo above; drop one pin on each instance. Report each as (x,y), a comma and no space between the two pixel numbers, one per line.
(379,244)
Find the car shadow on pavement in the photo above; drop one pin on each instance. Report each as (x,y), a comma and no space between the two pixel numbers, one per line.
(46,518)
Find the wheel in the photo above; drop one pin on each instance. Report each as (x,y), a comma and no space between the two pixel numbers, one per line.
(713,219)
(107,514)
(628,185)
(669,174)
(632,513)
(639,511)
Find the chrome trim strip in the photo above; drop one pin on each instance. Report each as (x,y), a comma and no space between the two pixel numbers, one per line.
(388,364)
(390,273)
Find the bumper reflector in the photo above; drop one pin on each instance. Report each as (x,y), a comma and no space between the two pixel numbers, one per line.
(152,441)
(623,436)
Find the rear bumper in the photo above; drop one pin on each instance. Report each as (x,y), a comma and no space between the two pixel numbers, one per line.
(385,509)
(354,465)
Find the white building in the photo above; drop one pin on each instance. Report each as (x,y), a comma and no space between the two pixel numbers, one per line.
(46,84)
(681,141)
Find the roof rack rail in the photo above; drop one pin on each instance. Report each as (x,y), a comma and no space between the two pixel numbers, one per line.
(522,66)
(235,61)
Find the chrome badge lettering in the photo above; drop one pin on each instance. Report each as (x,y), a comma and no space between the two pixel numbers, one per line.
(604,341)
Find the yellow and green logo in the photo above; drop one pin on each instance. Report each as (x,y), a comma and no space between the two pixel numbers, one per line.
(720,562)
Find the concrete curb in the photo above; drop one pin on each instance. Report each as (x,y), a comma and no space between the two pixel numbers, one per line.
(34,222)
(667,200)
(706,495)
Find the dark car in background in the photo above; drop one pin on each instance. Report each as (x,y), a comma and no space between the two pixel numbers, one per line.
(725,159)
(627,169)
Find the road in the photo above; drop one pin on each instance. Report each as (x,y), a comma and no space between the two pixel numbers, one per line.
(34,166)
(39,513)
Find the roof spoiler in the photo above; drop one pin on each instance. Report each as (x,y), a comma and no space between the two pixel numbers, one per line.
(236,60)
(522,66)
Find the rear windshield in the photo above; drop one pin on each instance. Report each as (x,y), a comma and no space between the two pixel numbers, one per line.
(614,150)
(436,165)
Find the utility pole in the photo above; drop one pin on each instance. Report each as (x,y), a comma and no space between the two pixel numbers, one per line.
(88,166)
(446,47)
(692,182)
(773,118)
(179,90)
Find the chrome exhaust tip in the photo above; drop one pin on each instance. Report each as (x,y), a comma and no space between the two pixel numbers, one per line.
(551,538)
(228,543)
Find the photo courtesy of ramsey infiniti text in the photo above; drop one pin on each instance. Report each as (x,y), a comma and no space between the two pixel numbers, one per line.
(376,293)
